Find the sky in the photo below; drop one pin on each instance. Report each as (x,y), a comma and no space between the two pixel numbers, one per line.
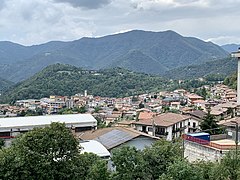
(30,22)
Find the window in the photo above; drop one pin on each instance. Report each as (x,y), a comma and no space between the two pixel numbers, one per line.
(194,124)
(189,124)
(2,134)
(79,129)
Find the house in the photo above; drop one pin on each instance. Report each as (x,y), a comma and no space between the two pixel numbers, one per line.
(230,125)
(53,105)
(167,125)
(175,105)
(111,118)
(115,137)
(196,119)
(193,97)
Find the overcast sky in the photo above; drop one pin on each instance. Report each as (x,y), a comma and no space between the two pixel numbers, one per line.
(38,21)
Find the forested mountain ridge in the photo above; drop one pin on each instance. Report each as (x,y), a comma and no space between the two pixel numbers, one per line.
(142,51)
(222,67)
(59,79)
(230,47)
(5,84)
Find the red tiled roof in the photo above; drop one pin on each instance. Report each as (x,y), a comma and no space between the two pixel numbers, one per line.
(145,115)
(165,120)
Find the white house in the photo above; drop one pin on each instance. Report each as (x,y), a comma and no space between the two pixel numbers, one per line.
(168,125)
(115,137)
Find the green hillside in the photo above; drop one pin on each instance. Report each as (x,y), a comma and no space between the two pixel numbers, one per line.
(222,67)
(141,51)
(4,84)
(68,80)
(231,81)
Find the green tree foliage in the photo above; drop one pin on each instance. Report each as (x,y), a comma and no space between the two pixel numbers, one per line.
(48,153)
(129,164)
(98,171)
(82,110)
(231,81)
(97,109)
(66,80)
(202,92)
(211,70)
(160,156)
(179,170)
(147,164)
(2,142)
(229,167)
(209,124)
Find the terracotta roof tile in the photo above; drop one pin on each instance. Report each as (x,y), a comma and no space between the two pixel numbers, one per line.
(165,120)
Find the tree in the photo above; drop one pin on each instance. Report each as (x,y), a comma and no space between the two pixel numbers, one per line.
(160,156)
(42,153)
(229,167)
(47,153)
(99,171)
(82,109)
(181,169)
(97,109)
(141,105)
(129,164)
(209,124)
(2,142)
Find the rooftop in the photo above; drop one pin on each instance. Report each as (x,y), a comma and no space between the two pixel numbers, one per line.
(19,122)
(165,120)
(95,147)
(113,136)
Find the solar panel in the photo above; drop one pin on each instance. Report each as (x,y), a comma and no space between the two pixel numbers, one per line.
(114,138)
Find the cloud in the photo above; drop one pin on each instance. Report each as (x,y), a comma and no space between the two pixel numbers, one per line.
(222,40)
(2,4)
(33,22)
(86,4)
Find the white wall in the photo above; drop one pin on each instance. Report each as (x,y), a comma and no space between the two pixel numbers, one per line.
(194,151)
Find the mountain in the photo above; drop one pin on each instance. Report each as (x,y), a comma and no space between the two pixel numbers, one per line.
(231,47)
(141,51)
(59,79)
(5,84)
(222,67)
(135,60)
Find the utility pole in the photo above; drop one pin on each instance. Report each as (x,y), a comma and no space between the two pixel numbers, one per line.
(236,138)
(153,126)
(183,145)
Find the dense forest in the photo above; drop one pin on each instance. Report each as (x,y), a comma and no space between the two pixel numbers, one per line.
(5,84)
(68,80)
(231,81)
(219,68)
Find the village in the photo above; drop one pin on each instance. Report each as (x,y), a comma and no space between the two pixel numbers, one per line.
(169,115)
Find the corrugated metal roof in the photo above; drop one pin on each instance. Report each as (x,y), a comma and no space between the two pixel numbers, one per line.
(18,122)
(114,138)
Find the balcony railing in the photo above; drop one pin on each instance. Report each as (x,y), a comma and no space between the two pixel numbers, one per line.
(208,143)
